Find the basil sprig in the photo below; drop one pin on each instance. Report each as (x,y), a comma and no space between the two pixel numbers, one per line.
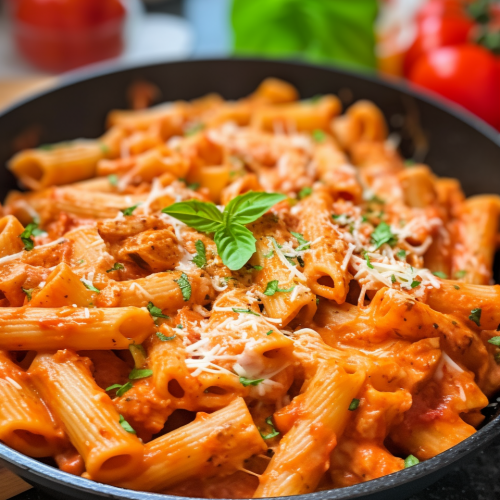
(235,243)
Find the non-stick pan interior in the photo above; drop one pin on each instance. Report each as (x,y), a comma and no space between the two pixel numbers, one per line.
(453,144)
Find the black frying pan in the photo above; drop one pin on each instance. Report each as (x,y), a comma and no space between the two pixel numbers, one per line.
(452,142)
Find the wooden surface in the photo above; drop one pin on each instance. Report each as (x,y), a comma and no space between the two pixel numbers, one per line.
(10,484)
(14,89)
(10,91)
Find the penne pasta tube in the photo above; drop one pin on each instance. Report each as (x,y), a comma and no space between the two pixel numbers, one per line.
(61,164)
(302,116)
(10,229)
(296,301)
(163,289)
(478,229)
(324,268)
(34,328)
(110,452)
(303,454)
(25,423)
(213,444)
(62,288)
(459,299)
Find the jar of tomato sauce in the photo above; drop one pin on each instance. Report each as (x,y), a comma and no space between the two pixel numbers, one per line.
(58,35)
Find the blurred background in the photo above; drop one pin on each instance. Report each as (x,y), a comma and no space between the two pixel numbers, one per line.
(449,47)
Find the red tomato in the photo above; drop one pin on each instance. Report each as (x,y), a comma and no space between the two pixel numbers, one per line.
(57,35)
(434,32)
(466,74)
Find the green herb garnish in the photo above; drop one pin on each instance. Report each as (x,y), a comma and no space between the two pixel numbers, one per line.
(116,267)
(235,243)
(185,286)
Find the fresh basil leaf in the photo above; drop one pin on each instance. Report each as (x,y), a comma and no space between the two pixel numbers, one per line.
(475,316)
(382,235)
(126,426)
(28,292)
(305,192)
(89,285)
(185,286)
(129,210)
(116,267)
(164,338)
(235,244)
(247,381)
(248,207)
(318,30)
(200,259)
(138,373)
(494,341)
(156,311)
(199,215)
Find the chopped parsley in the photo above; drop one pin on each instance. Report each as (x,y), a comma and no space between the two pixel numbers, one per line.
(116,267)
(257,268)
(401,254)
(138,373)
(460,274)
(303,243)
(441,275)
(129,210)
(28,292)
(244,311)
(269,332)
(368,262)
(475,316)
(122,389)
(393,279)
(180,327)
(456,287)
(273,287)
(194,129)
(383,235)
(200,259)
(185,286)
(164,338)
(415,283)
(89,286)
(268,255)
(156,311)
(318,135)
(113,180)
(305,192)
(410,461)
(273,432)
(30,230)
(247,381)
(126,425)
(354,405)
